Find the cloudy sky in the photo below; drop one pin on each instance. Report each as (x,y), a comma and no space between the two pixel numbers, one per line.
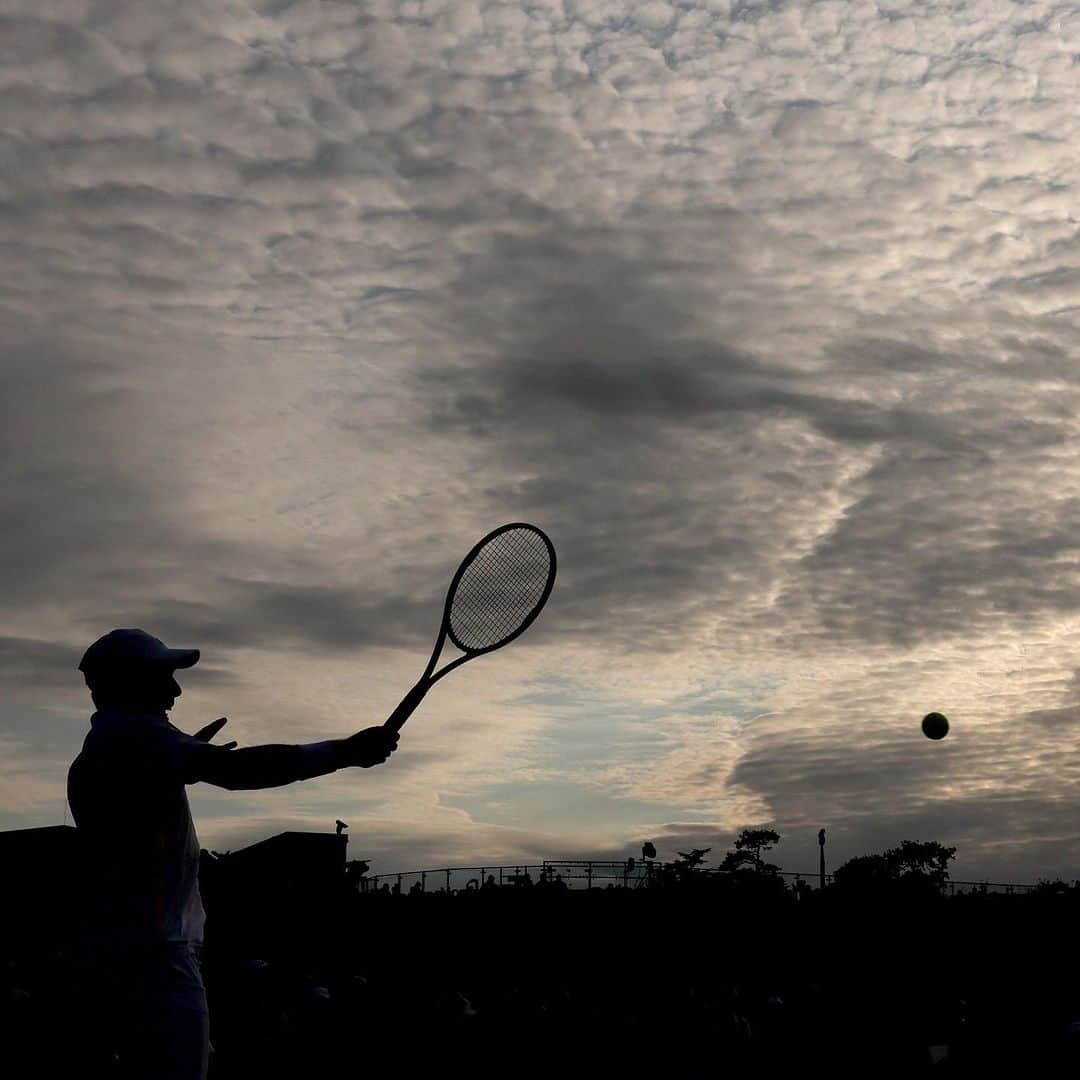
(769,313)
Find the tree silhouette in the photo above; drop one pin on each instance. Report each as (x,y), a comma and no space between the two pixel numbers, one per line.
(918,864)
(750,846)
(688,861)
(863,871)
(926,858)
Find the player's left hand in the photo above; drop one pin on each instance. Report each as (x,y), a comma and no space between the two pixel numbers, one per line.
(207,733)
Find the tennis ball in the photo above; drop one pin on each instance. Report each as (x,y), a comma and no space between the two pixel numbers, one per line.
(935,726)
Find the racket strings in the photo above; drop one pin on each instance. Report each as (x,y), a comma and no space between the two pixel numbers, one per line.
(500,589)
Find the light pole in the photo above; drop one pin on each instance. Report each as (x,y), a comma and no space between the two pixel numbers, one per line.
(821,865)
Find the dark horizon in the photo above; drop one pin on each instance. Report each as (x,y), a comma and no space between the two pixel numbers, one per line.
(688,972)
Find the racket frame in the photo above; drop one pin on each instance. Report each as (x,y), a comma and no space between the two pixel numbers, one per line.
(413,698)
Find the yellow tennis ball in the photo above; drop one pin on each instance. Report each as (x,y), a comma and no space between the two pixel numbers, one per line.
(935,726)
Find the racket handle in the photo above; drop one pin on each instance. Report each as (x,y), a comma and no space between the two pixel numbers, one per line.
(407,707)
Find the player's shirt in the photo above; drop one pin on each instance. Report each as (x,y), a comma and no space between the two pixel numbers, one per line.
(127,795)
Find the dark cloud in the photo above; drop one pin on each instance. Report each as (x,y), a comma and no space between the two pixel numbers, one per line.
(338,619)
(29,662)
(1067,718)
(880,787)
(677,466)
(941,547)
(773,331)
(72,512)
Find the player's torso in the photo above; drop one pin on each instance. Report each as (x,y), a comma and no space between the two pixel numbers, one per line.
(140,852)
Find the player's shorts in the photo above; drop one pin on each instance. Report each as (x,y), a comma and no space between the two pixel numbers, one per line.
(150,1010)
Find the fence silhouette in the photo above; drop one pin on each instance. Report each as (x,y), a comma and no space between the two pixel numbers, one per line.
(598,873)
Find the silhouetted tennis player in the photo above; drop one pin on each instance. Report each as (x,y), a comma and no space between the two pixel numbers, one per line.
(127,794)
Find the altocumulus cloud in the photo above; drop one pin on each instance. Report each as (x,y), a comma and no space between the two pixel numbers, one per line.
(767,311)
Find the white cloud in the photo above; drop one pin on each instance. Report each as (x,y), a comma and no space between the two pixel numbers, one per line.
(767,311)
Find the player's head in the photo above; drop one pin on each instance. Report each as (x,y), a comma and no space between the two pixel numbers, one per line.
(130,668)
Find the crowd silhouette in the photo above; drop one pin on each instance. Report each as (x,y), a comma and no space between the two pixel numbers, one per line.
(690,973)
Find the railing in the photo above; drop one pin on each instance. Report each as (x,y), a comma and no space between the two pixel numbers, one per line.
(1009,888)
(590,873)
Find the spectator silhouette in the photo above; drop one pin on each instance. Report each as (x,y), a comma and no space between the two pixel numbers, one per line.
(354,874)
(127,794)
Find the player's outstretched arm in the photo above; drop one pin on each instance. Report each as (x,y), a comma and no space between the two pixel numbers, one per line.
(274,765)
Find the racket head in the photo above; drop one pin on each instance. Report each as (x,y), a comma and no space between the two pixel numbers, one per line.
(499,588)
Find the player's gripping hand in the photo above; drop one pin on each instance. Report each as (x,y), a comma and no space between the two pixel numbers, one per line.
(372,746)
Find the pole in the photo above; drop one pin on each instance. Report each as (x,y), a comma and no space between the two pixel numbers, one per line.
(821,869)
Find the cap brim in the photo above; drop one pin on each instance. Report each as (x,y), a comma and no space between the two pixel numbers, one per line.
(181,658)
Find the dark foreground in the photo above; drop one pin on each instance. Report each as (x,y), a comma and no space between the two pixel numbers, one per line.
(692,980)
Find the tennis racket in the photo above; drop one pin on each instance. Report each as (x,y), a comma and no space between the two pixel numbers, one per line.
(498,590)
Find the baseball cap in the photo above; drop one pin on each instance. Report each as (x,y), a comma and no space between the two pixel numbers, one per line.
(121,648)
